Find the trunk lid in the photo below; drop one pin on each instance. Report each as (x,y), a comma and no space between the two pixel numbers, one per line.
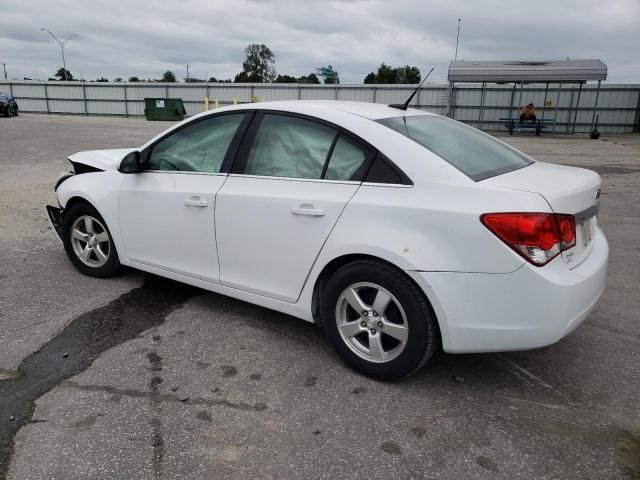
(568,190)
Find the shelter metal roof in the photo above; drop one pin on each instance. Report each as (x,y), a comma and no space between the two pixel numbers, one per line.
(527,71)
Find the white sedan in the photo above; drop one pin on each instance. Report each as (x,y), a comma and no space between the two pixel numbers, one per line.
(397,231)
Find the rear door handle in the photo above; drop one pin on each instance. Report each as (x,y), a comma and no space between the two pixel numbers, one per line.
(307,209)
(195,201)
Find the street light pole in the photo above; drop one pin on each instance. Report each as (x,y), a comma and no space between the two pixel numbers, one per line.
(4,67)
(457,39)
(61,43)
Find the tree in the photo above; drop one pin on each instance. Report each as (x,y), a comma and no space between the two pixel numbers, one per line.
(168,76)
(242,77)
(386,74)
(286,79)
(102,79)
(212,80)
(63,74)
(370,78)
(310,79)
(390,75)
(259,65)
(408,74)
(118,79)
(134,79)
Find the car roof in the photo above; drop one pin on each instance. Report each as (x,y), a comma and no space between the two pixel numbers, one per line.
(371,111)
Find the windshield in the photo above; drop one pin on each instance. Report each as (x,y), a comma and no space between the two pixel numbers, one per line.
(474,153)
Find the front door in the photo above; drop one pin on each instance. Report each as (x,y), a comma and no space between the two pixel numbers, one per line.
(167,211)
(273,218)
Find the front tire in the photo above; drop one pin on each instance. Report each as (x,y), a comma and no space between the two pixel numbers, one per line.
(378,320)
(88,242)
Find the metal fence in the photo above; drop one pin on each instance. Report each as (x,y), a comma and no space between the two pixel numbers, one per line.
(618,106)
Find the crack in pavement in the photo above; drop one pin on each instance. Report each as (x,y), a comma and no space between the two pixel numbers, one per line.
(165,397)
(75,348)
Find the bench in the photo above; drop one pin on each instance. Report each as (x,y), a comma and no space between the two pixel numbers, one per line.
(512,124)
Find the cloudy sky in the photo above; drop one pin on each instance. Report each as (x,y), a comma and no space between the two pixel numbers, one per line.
(120,38)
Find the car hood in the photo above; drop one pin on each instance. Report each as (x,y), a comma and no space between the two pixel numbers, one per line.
(102,159)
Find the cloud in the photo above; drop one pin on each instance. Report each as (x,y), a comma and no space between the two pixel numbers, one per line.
(120,38)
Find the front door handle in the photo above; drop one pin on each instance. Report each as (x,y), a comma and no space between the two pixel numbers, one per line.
(195,201)
(307,209)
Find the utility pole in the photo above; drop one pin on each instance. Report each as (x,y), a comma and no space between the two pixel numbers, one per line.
(457,40)
(187,73)
(61,43)
(4,67)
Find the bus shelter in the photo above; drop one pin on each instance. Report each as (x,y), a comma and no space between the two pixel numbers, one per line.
(526,72)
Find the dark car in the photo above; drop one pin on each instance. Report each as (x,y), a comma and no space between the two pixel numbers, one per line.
(8,105)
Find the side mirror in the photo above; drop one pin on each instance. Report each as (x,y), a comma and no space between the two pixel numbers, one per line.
(131,163)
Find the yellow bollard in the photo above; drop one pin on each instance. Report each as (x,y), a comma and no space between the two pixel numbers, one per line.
(235,101)
(216,103)
(206,103)
(254,99)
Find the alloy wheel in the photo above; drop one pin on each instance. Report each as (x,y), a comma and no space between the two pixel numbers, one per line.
(90,241)
(372,322)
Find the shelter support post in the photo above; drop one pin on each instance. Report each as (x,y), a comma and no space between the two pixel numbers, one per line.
(513,95)
(575,116)
(482,97)
(568,125)
(555,120)
(519,104)
(544,102)
(452,100)
(595,106)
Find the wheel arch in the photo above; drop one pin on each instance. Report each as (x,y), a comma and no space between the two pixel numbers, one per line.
(338,262)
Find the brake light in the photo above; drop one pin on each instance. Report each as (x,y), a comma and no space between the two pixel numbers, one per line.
(538,237)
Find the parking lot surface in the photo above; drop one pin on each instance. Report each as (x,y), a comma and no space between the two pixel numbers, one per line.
(138,377)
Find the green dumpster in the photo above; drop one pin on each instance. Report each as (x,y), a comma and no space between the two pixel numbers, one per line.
(164,109)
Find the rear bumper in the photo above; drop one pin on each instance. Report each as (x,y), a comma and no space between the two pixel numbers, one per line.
(529,308)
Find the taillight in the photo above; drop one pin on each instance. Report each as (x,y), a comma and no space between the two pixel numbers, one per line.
(538,237)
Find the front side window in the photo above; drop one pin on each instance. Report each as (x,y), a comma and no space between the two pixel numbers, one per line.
(287,146)
(474,153)
(200,147)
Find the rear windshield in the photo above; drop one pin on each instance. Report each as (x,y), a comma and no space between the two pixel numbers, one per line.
(474,153)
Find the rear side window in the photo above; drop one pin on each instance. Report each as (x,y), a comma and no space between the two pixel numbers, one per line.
(474,153)
(287,146)
(346,159)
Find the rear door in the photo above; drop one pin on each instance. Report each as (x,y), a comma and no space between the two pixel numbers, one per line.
(290,183)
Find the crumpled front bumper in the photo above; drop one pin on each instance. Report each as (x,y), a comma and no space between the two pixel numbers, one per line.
(55,215)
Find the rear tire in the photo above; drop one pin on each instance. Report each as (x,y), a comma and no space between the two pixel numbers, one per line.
(88,242)
(391,333)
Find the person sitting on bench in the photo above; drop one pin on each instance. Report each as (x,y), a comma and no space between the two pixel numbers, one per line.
(528,114)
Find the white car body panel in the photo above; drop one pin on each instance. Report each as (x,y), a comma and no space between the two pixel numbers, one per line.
(268,225)
(102,159)
(485,296)
(167,221)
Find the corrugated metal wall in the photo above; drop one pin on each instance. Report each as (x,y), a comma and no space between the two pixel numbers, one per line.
(618,105)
